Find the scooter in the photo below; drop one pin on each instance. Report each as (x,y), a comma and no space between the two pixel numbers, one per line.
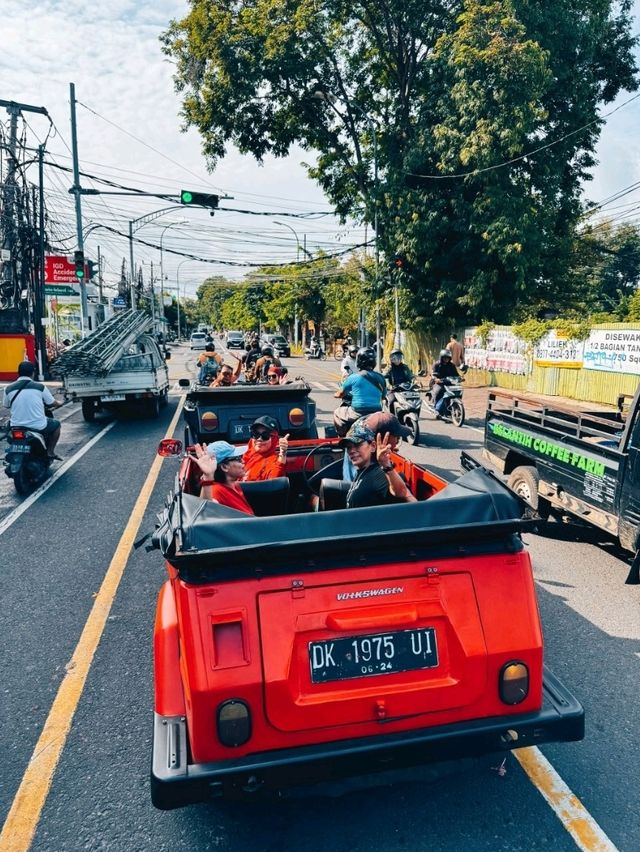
(450,406)
(406,407)
(26,459)
(316,352)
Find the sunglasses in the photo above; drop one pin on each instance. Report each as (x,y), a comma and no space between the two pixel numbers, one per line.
(261,436)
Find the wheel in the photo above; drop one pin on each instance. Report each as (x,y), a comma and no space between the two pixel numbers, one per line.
(88,410)
(457,412)
(164,399)
(411,421)
(337,354)
(524,482)
(323,356)
(26,480)
(153,406)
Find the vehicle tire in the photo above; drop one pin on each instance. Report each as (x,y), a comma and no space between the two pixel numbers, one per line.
(337,354)
(24,480)
(411,421)
(88,410)
(164,399)
(153,406)
(323,356)
(524,481)
(457,412)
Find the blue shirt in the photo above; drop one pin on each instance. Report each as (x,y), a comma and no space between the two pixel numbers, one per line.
(366,392)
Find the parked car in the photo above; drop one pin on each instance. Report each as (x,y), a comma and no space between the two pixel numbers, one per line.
(301,645)
(234,340)
(281,345)
(198,340)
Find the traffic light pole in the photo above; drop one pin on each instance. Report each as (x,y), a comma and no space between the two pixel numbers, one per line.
(77,191)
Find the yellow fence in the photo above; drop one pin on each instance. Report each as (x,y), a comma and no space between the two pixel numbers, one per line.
(596,386)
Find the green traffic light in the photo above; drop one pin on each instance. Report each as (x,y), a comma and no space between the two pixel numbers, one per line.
(187,197)
(79,273)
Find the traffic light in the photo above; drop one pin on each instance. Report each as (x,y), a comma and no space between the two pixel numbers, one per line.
(198,199)
(92,267)
(78,262)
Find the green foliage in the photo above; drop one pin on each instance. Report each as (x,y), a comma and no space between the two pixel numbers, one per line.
(460,92)
(532,330)
(484,330)
(572,329)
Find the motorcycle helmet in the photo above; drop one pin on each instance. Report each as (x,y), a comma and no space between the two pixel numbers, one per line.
(444,353)
(353,351)
(366,358)
(210,347)
(267,350)
(396,357)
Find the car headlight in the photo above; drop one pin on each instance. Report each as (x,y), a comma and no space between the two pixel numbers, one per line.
(514,682)
(234,723)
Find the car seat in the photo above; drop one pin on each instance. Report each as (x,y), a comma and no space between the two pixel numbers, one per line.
(267,496)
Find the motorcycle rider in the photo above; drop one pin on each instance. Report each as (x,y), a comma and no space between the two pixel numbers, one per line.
(397,374)
(26,400)
(267,358)
(366,390)
(209,363)
(442,369)
(348,364)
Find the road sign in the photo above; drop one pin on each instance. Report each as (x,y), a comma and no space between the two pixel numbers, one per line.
(59,269)
(60,290)
(119,302)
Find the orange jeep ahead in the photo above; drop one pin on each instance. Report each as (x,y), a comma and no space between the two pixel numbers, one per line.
(302,645)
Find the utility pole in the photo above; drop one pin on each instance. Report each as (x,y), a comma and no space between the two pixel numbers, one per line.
(99,276)
(39,288)
(77,191)
(10,284)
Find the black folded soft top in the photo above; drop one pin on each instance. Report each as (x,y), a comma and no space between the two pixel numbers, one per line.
(199,535)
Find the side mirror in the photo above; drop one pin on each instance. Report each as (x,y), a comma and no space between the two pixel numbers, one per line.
(169,447)
(184,383)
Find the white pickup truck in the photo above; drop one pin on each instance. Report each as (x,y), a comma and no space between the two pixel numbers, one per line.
(138,382)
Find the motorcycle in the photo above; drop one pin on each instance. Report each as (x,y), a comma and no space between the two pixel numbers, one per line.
(450,406)
(26,459)
(406,407)
(316,352)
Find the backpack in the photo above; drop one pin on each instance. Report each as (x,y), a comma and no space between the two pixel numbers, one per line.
(208,371)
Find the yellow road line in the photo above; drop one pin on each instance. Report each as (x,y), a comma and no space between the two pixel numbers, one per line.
(577,820)
(22,821)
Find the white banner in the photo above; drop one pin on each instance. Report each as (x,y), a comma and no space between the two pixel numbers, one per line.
(504,352)
(554,351)
(613,350)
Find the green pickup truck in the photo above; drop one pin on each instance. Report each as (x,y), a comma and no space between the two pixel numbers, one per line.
(572,461)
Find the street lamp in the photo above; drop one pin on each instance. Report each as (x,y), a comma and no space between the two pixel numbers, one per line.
(320,95)
(308,253)
(166,227)
(134,224)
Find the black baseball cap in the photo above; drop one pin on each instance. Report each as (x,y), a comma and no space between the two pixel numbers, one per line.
(267,422)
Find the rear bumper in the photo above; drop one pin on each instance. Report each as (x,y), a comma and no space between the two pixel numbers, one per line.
(175,782)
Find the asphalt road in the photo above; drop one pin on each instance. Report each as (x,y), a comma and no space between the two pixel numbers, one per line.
(54,557)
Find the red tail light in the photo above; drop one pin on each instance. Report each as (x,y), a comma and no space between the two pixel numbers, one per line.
(18,434)
(209,421)
(296,417)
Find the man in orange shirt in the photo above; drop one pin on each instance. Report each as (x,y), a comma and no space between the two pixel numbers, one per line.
(266,456)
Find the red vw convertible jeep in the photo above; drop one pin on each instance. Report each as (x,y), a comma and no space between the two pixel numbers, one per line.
(297,646)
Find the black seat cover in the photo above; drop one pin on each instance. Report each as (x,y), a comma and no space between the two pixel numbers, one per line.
(267,496)
(333,494)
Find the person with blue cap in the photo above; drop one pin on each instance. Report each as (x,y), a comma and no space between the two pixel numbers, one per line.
(223,470)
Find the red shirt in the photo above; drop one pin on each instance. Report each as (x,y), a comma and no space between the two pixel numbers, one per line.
(258,466)
(227,496)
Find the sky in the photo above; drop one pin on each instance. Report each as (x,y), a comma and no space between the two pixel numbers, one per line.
(129,132)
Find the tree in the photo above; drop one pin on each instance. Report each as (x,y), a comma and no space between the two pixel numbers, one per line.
(486,119)
(212,294)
